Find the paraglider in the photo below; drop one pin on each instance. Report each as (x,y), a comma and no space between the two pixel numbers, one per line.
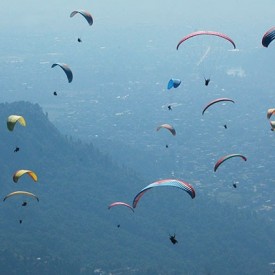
(119,203)
(85,14)
(173,239)
(215,45)
(223,99)
(173,83)
(66,69)
(55,93)
(24,203)
(193,34)
(224,158)
(268,37)
(168,127)
(16,149)
(13,119)
(166,183)
(23,193)
(18,174)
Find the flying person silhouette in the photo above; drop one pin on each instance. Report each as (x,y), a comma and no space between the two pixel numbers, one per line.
(173,239)
(206,81)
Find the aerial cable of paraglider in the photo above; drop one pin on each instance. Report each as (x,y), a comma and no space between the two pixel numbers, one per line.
(24,193)
(225,158)
(13,119)
(168,127)
(119,203)
(85,14)
(18,174)
(166,183)
(66,69)
(197,33)
(268,37)
(223,99)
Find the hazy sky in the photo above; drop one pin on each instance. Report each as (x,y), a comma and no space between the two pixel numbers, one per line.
(54,15)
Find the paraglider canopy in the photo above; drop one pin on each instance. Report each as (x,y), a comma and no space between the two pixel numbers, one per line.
(166,182)
(85,14)
(223,99)
(268,37)
(119,203)
(193,34)
(66,69)
(168,127)
(18,174)
(13,119)
(270,113)
(24,193)
(224,158)
(173,83)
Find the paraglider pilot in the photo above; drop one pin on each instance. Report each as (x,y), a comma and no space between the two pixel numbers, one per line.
(169,107)
(173,239)
(206,81)
(16,149)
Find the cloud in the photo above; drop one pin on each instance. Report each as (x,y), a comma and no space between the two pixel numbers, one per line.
(239,72)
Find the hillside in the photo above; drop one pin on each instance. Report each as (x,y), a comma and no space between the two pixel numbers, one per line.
(70,230)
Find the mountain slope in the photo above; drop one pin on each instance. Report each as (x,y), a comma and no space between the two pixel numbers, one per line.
(70,230)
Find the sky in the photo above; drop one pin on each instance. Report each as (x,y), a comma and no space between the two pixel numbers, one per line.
(126,57)
(129,50)
(50,15)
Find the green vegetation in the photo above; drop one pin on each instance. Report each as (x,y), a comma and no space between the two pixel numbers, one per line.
(71,231)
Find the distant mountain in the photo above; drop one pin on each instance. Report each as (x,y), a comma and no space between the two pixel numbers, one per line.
(71,231)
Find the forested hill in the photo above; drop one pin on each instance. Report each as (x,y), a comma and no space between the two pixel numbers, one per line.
(71,231)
